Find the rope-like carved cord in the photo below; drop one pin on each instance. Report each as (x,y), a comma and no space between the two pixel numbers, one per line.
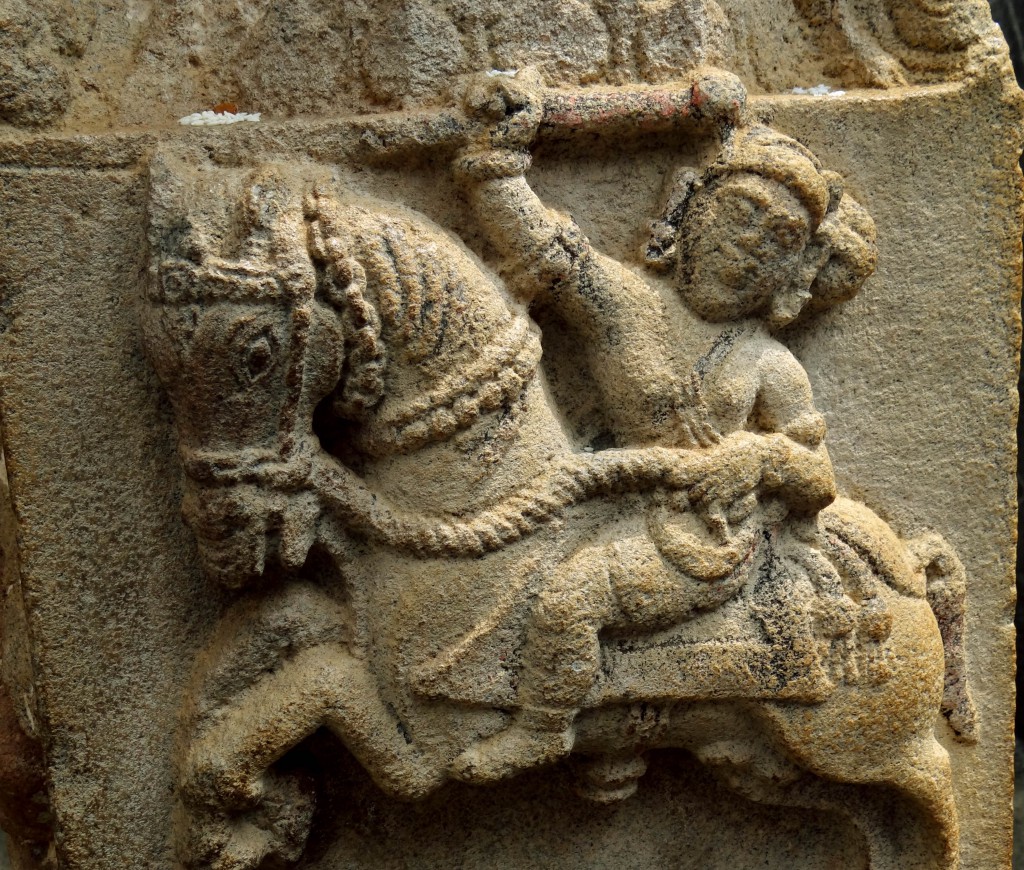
(578,478)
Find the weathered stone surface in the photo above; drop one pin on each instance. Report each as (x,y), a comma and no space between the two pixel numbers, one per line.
(591,452)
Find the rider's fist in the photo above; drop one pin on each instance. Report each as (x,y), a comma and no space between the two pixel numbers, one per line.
(509,107)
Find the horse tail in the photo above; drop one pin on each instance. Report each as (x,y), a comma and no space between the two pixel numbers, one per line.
(946,580)
(925,567)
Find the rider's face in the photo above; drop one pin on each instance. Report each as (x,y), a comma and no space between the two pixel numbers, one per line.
(741,244)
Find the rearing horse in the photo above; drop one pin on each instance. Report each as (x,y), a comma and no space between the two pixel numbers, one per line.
(362,418)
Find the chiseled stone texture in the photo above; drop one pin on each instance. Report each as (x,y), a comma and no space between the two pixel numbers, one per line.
(549,437)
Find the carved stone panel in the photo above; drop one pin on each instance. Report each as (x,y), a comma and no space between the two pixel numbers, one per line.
(565,435)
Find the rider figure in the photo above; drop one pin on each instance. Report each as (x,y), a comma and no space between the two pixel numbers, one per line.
(762,235)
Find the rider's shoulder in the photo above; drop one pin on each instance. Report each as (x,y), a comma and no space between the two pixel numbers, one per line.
(768,354)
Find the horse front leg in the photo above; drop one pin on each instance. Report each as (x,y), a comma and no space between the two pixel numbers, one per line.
(239,808)
(278,670)
(234,811)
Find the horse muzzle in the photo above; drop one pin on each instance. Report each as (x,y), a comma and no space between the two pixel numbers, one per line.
(243,531)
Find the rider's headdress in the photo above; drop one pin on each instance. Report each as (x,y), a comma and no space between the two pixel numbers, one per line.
(840,227)
(769,154)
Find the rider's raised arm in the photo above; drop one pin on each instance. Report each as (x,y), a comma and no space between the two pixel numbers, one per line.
(620,317)
(538,243)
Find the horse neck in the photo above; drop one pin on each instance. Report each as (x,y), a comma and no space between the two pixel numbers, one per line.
(462,415)
(478,466)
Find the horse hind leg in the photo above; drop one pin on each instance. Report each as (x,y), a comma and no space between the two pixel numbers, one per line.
(907,815)
(608,779)
(927,780)
(906,819)
(947,596)
(741,751)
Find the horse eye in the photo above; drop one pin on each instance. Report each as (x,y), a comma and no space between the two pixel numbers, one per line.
(258,357)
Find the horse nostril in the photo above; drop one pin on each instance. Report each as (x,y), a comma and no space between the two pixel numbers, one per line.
(259,356)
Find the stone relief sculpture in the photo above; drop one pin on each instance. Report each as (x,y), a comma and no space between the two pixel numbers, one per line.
(431,566)
(378,56)
(565,434)
(889,44)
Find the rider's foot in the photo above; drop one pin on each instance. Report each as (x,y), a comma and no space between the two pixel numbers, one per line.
(512,751)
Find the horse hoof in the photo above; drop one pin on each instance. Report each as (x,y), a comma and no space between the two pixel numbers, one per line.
(509,753)
(609,779)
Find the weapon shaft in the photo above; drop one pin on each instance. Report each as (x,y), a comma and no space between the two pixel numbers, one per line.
(716,97)
(712,98)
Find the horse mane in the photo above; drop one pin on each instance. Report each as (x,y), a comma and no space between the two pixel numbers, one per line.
(431,343)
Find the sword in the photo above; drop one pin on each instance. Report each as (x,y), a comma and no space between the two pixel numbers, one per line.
(712,99)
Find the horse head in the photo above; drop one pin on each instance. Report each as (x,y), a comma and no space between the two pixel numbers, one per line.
(246,350)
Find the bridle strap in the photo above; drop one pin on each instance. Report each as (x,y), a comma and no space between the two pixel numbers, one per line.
(250,466)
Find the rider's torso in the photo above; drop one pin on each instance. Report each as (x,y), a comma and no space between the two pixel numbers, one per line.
(725,359)
(732,385)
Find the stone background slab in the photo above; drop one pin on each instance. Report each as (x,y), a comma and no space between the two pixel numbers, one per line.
(92,460)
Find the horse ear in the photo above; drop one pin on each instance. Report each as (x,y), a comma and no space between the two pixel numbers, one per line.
(267,216)
(265,200)
(172,232)
(835,189)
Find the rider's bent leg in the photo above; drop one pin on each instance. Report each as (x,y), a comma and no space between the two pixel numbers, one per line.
(561,659)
